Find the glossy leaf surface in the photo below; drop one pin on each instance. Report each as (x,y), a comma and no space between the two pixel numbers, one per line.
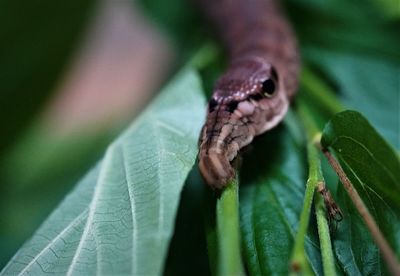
(374,169)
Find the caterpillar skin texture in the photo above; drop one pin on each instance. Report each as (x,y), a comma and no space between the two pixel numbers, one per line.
(253,95)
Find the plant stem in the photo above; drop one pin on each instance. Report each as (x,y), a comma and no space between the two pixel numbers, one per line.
(319,91)
(377,235)
(228,233)
(299,263)
(328,262)
(315,179)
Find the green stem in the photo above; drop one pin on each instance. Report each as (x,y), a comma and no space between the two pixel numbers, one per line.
(299,262)
(328,260)
(319,91)
(315,178)
(228,233)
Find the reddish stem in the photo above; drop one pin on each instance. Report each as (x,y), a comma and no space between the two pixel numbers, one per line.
(377,235)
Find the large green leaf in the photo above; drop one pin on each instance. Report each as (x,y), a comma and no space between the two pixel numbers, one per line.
(37,40)
(368,84)
(374,169)
(271,198)
(120,217)
(333,25)
(353,245)
(28,173)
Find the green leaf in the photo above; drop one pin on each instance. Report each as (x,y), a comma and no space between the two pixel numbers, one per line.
(365,153)
(120,217)
(353,245)
(28,173)
(271,199)
(367,84)
(38,38)
(334,25)
(374,169)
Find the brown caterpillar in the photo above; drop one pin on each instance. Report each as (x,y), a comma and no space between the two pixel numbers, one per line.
(253,95)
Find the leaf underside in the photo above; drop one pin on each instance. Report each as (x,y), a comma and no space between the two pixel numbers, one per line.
(120,217)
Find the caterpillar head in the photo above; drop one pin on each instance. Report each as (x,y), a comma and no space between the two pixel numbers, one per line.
(247,101)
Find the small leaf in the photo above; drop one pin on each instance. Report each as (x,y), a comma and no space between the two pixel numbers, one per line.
(374,169)
(365,153)
(120,217)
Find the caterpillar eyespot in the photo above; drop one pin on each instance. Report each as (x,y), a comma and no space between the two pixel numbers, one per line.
(268,88)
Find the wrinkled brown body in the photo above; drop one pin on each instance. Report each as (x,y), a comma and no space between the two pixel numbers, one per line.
(261,48)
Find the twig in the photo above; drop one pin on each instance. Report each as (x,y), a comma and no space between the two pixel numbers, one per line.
(377,235)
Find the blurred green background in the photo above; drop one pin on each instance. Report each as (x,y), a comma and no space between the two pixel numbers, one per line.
(74,73)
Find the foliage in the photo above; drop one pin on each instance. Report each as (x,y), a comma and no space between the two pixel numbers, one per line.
(120,217)
(374,169)
(122,213)
(38,39)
